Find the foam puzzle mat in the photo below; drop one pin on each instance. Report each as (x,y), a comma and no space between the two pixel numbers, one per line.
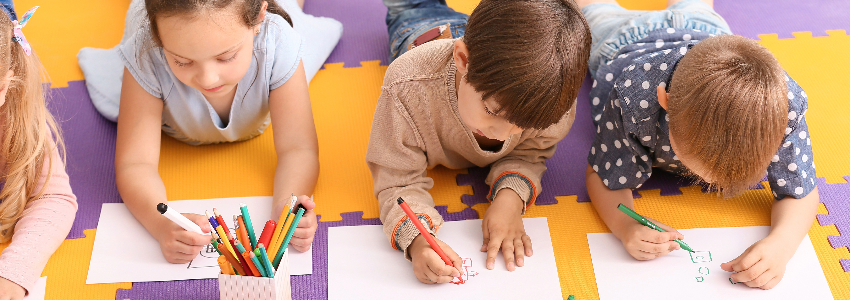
(809,38)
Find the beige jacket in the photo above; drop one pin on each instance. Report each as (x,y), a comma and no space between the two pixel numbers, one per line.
(417,127)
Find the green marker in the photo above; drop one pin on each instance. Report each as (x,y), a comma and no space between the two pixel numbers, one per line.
(649,224)
(285,243)
(571,297)
(215,245)
(248,225)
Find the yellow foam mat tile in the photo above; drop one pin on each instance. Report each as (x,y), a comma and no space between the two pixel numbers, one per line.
(571,221)
(819,65)
(60,28)
(67,269)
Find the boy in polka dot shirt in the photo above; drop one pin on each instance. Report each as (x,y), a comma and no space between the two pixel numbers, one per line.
(675,91)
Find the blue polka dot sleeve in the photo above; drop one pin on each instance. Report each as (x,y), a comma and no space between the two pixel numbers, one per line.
(791,172)
(617,157)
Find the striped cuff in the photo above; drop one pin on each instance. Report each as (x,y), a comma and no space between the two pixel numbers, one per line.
(405,231)
(517,182)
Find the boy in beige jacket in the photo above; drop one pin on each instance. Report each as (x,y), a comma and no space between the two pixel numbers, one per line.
(495,90)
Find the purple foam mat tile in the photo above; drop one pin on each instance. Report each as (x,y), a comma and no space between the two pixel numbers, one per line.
(668,183)
(202,289)
(90,145)
(466,214)
(845,264)
(753,17)
(565,174)
(364,33)
(834,198)
(475,178)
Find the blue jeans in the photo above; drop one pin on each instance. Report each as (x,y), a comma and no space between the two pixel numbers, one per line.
(408,19)
(613,27)
(9,7)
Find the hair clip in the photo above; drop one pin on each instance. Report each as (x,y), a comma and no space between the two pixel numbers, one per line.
(19,35)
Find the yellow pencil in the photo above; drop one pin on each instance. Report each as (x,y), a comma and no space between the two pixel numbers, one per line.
(278,235)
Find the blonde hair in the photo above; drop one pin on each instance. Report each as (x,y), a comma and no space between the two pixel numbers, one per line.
(728,110)
(28,131)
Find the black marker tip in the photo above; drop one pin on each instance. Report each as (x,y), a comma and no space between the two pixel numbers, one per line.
(161,208)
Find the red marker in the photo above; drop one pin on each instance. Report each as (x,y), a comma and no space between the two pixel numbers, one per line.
(424,232)
(266,236)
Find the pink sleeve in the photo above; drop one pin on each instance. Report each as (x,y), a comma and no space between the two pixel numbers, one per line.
(43,226)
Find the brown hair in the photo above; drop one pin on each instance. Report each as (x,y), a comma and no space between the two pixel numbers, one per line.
(530,55)
(28,131)
(728,109)
(249,11)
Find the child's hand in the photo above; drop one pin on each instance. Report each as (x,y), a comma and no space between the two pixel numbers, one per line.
(302,238)
(428,267)
(644,243)
(178,245)
(10,290)
(503,228)
(763,264)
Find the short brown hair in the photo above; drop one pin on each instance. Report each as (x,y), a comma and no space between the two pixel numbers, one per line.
(530,55)
(728,109)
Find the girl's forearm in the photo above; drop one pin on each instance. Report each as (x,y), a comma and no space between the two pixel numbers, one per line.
(296,173)
(142,189)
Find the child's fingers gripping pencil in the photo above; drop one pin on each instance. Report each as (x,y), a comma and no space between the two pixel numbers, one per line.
(628,211)
(424,232)
(178,218)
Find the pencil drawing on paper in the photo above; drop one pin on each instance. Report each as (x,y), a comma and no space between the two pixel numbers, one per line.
(467,272)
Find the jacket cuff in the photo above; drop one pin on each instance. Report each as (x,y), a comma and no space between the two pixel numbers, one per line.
(405,231)
(517,182)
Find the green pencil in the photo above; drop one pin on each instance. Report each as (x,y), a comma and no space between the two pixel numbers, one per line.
(649,224)
(248,225)
(285,243)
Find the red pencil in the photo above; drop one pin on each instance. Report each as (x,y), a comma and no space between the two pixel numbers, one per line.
(266,236)
(425,233)
(220,220)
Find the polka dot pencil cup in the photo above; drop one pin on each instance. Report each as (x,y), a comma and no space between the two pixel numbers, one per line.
(236,287)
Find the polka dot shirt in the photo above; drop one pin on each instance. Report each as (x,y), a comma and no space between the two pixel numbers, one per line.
(632,134)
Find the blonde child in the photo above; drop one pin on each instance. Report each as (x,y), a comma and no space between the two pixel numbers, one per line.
(213,71)
(497,90)
(37,206)
(674,90)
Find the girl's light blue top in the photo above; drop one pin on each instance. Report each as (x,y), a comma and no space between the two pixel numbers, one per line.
(186,114)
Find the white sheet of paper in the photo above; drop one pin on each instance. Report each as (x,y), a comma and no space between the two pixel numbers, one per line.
(125,252)
(682,275)
(362,265)
(37,290)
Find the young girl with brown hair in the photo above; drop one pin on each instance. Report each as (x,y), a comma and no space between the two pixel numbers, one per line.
(37,206)
(213,71)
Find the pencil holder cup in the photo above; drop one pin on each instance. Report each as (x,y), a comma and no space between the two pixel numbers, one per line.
(236,287)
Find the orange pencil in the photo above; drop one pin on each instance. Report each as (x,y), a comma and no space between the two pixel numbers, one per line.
(231,259)
(226,269)
(241,233)
(247,256)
